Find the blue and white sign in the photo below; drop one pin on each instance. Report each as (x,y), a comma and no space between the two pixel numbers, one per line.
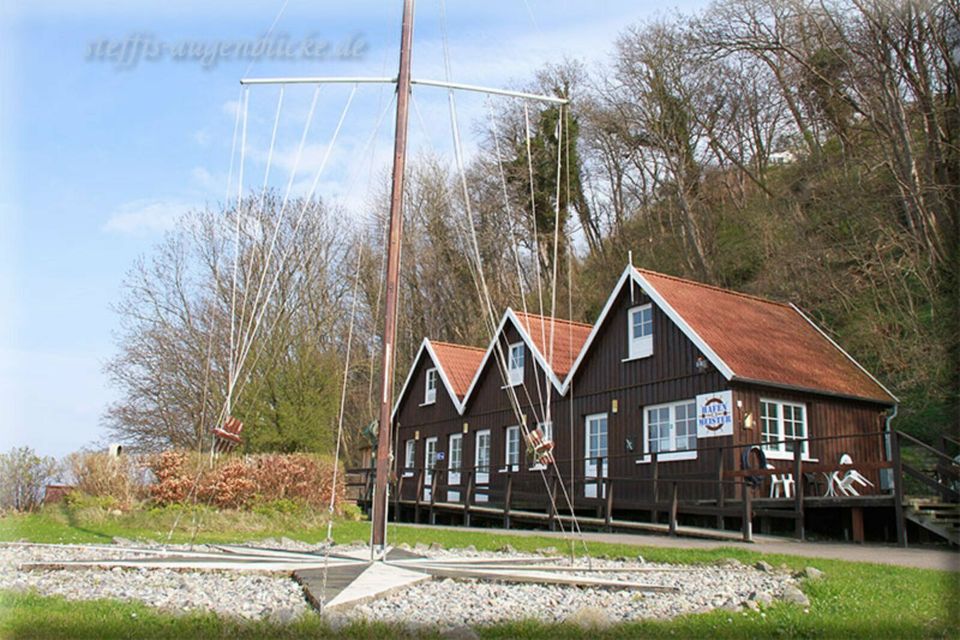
(715,414)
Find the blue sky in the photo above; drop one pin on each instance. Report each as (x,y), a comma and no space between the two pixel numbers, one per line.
(97,161)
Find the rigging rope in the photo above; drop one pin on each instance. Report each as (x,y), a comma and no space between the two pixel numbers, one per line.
(486,298)
(236,246)
(303,211)
(343,402)
(283,206)
(263,202)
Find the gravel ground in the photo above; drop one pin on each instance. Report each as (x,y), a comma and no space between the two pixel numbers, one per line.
(229,594)
(442,602)
(730,585)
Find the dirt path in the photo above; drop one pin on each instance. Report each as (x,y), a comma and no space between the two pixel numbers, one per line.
(921,558)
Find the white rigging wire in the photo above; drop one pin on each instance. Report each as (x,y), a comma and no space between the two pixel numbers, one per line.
(480,282)
(236,249)
(283,207)
(303,211)
(263,202)
(343,403)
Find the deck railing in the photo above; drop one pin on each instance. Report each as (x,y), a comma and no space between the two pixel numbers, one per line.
(725,489)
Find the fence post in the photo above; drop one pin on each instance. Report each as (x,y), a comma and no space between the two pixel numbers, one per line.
(552,507)
(468,499)
(898,489)
(720,493)
(747,513)
(396,498)
(798,488)
(656,486)
(416,507)
(608,516)
(673,509)
(506,502)
(434,481)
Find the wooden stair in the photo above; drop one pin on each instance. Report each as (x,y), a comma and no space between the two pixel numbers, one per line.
(941,518)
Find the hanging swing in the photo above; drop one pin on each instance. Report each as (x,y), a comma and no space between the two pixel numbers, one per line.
(227,436)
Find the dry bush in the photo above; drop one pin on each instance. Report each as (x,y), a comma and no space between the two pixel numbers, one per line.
(240,482)
(23,478)
(102,475)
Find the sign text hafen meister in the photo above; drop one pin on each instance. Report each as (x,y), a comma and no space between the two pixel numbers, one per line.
(715,414)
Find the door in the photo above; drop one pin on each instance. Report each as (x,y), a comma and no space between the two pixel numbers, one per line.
(429,464)
(454,463)
(481,460)
(595,449)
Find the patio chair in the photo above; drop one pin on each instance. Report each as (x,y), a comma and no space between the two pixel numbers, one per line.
(781,483)
(846,484)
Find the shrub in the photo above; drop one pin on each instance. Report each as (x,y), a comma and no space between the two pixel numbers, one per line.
(81,500)
(245,482)
(103,475)
(284,506)
(23,477)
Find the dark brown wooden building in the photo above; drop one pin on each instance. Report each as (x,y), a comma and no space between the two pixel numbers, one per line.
(676,380)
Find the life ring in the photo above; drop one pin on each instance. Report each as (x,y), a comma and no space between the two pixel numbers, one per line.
(753,481)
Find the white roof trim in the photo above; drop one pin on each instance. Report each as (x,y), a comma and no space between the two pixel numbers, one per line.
(428,347)
(596,328)
(631,274)
(712,356)
(843,351)
(525,337)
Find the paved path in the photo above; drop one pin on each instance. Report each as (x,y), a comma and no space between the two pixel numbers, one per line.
(922,558)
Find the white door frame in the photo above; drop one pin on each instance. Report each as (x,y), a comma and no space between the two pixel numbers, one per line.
(427,467)
(590,463)
(453,477)
(481,477)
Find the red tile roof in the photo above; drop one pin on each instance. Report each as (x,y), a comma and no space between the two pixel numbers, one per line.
(765,341)
(568,339)
(459,363)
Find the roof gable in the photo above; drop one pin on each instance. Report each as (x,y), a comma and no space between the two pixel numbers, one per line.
(455,364)
(559,341)
(749,338)
(763,341)
(459,362)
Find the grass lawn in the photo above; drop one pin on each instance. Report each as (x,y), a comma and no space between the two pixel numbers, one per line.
(853,600)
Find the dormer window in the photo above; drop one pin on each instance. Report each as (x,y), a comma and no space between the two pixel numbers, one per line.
(640,331)
(515,363)
(430,394)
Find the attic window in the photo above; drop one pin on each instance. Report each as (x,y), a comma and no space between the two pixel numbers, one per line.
(515,363)
(430,395)
(640,331)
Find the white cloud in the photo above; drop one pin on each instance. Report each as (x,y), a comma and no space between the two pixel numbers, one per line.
(230,108)
(146,216)
(202,137)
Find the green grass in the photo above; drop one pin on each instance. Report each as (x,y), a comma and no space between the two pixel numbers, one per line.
(854,600)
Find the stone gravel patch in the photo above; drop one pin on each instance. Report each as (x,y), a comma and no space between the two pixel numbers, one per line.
(441,602)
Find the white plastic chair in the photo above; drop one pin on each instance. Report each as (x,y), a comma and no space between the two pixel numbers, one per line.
(846,484)
(781,482)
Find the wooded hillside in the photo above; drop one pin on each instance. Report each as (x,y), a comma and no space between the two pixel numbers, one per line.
(803,151)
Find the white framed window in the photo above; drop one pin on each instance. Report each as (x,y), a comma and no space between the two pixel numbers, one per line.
(546,428)
(640,331)
(670,431)
(481,456)
(780,422)
(429,463)
(409,457)
(455,456)
(511,449)
(515,363)
(595,463)
(430,392)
